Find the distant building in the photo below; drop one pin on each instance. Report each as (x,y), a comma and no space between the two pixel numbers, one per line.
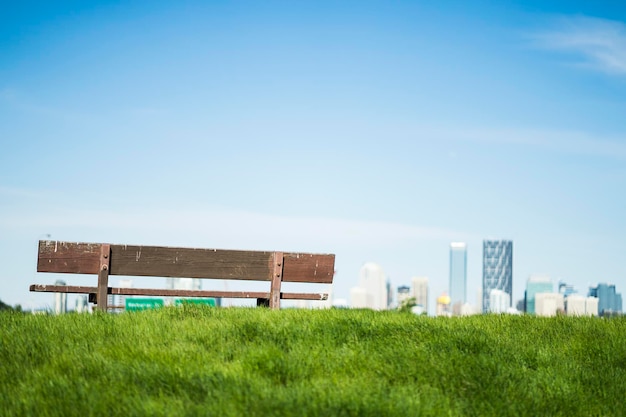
(60,299)
(118,302)
(463,309)
(82,304)
(577,305)
(458,273)
(609,301)
(591,306)
(497,270)
(419,290)
(499,301)
(566,289)
(404,293)
(443,305)
(548,304)
(536,284)
(373,280)
(358,298)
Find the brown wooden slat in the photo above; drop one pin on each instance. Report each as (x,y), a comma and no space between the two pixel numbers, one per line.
(189,263)
(132,260)
(68,257)
(174,293)
(307,267)
(303,296)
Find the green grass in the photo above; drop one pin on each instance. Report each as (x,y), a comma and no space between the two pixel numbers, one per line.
(237,362)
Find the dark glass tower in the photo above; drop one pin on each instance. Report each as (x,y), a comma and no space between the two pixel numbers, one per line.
(609,301)
(497,269)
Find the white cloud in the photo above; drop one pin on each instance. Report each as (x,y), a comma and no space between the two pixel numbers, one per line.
(599,43)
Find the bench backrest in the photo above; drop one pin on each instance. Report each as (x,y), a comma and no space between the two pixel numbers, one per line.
(131,260)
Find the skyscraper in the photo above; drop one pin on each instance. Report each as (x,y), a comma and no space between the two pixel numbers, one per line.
(497,269)
(419,290)
(372,278)
(609,302)
(458,273)
(536,284)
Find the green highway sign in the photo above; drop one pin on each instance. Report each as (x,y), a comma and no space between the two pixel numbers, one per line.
(135,304)
(195,301)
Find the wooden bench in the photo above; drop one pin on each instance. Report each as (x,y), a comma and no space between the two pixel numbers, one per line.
(106,259)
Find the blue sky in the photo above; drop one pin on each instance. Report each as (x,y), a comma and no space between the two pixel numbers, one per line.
(378,131)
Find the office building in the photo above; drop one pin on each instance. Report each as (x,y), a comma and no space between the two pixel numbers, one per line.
(458,273)
(463,309)
(358,298)
(591,306)
(372,291)
(419,290)
(536,284)
(497,269)
(566,289)
(609,301)
(60,299)
(499,301)
(548,304)
(577,305)
(404,293)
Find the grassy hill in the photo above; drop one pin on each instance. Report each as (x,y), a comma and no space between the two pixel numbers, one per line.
(239,361)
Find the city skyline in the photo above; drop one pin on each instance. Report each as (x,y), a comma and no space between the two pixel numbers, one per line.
(384,132)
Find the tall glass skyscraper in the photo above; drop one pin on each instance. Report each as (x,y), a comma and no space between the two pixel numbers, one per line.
(458,273)
(609,301)
(497,269)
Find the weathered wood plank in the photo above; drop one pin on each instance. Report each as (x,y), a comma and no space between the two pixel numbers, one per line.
(308,267)
(84,258)
(73,289)
(190,263)
(68,257)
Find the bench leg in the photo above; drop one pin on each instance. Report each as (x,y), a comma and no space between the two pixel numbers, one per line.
(277,278)
(103,277)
